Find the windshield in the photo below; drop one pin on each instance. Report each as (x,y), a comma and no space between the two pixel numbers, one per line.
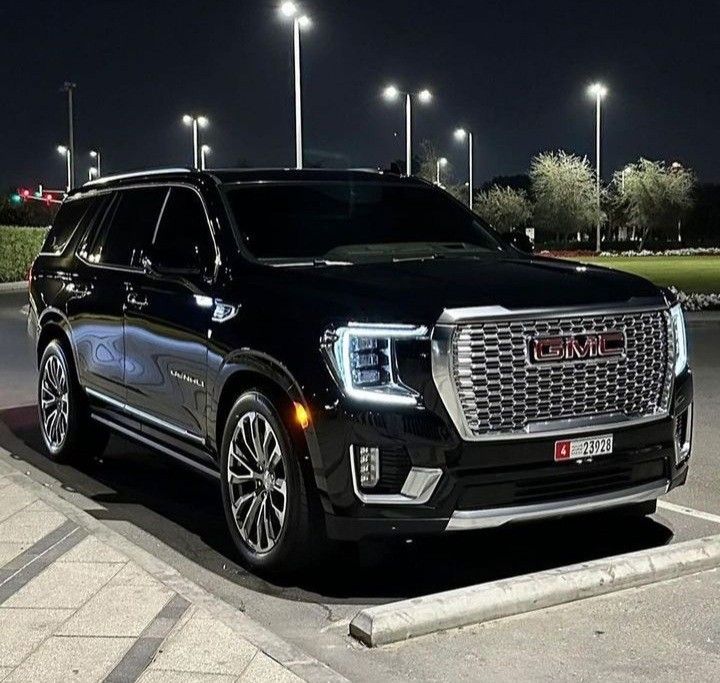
(348,221)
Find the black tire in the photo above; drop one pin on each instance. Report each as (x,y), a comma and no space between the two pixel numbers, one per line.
(75,436)
(300,536)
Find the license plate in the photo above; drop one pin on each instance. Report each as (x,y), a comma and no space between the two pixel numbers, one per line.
(574,449)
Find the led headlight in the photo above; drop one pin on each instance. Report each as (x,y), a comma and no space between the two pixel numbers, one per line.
(681,351)
(362,357)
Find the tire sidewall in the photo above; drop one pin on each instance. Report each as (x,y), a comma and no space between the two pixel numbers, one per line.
(280,556)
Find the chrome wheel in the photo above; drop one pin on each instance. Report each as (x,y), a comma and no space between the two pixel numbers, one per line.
(54,402)
(256,482)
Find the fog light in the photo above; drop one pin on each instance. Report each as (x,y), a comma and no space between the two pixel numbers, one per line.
(368,466)
(683,436)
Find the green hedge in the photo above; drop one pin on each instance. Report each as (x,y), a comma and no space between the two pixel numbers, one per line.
(18,247)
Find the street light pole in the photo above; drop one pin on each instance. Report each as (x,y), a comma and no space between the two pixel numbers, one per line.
(69,88)
(461,134)
(67,153)
(290,9)
(196,122)
(204,150)
(442,161)
(599,91)
(96,155)
(425,96)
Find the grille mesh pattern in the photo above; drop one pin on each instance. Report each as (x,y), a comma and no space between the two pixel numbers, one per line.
(501,392)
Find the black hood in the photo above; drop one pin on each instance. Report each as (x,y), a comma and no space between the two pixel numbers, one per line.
(418,291)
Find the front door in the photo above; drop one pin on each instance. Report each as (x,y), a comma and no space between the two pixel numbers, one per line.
(167,318)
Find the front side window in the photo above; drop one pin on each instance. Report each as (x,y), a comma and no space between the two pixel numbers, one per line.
(355,221)
(128,228)
(183,236)
(64,225)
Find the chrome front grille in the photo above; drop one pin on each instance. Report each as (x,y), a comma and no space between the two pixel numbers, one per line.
(499,392)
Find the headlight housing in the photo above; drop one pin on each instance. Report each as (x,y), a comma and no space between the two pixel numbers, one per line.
(362,358)
(681,350)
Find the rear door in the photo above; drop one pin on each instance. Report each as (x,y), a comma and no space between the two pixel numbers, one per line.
(108,259)
(167,320)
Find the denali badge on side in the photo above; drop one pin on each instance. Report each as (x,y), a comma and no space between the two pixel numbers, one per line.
(577,347)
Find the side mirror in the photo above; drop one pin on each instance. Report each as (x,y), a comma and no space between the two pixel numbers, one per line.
(172,261)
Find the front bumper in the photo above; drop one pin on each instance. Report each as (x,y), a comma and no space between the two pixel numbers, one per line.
(488,484)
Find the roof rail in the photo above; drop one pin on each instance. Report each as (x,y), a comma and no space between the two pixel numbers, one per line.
(135,174)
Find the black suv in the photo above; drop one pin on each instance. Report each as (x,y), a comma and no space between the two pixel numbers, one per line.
(352,353)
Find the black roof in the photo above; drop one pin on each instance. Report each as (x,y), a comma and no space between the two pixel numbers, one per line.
(239,175)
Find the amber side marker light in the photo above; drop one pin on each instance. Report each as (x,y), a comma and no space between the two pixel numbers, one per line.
(301,415)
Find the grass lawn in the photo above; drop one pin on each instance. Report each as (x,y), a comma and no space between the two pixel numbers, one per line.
(699,274)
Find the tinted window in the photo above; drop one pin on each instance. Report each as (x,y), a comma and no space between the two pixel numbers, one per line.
(184,231)
(129,227)
(355,220)
(64,225)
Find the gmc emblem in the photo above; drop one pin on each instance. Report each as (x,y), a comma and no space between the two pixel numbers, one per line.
(577,347)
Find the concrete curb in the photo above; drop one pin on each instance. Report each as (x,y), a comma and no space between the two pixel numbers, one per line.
(289,655)
(13,286)
(398,621)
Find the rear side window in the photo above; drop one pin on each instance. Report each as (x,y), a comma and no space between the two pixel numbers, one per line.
(184,230)
(128,229)
(67,220)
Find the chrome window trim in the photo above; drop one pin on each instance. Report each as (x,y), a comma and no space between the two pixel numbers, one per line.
(418,488)
(442,371)
(147,417)
(489,518)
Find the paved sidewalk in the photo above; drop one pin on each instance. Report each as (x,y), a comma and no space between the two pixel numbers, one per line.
(78,602)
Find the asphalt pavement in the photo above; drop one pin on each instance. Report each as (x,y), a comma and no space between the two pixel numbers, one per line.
(660,632)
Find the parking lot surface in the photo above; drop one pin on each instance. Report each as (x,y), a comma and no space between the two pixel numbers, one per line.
(663,632)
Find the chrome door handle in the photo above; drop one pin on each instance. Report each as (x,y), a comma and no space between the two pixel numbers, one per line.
(134,300)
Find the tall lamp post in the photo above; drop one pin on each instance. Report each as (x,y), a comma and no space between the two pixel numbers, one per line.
(441,162)
(598,91)
(461,134)
(290,10)
(67,153)
(69,88)
(94,154)
(204,151)
(392,93)
(196,122)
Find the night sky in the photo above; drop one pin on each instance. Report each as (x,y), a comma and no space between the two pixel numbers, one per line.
(514,71)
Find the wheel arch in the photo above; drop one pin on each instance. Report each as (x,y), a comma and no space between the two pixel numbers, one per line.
(53,325)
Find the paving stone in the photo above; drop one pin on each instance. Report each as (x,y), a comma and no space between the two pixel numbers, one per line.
(64,584)
(22,630)
(14,499)
(133,575)
(61,659)
(9,551)
(118,610)
(263,669)
(4,671)
(205,644)
(164,676)
(30,524)
(93,550)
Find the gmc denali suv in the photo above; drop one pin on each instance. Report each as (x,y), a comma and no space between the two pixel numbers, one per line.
(352,353)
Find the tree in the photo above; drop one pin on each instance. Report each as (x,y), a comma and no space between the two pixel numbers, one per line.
(564,189)
(504,208)
(655,196)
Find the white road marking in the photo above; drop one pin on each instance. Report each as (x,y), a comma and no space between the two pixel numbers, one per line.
(681,509)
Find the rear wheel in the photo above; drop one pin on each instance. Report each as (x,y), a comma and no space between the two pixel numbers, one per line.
(67,429)
(265,496)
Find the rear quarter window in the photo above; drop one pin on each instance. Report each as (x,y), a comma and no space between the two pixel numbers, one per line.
(66,222)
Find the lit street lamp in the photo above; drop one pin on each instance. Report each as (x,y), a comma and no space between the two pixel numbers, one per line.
(196,122)
(204,151)
(461,134)
(598,91)
(67,153)
(96,155)
(391,93)
(92,173)
(442,161)
(290,9)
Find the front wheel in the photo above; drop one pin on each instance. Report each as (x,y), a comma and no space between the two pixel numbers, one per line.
(264,493)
